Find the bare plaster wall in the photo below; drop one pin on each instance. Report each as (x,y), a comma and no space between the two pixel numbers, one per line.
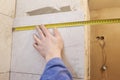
(111,32)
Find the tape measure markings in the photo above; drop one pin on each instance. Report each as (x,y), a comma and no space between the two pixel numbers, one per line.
(70,24)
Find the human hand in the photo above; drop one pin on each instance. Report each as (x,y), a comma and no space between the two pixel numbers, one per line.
(48,45)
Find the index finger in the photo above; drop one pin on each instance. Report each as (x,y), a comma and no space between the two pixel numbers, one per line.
(45,30)
(40,32)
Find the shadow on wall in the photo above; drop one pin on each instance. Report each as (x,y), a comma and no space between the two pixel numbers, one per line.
(48,10)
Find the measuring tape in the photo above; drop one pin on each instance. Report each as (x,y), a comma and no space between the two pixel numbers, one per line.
(70,24)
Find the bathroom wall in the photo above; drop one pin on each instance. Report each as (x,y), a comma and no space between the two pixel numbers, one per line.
(27,63)
(45,6)
(111,33)
(17,63)
(7,9)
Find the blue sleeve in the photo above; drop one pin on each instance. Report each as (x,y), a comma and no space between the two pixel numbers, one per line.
(56,70)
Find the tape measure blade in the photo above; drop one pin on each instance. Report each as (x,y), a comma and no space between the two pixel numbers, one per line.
(71,24)
(24,28)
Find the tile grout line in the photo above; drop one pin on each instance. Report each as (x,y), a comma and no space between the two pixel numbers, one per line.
(9,75)
(77,78)
(11,55)
(4,72)
(11,52)
(24,73)
(6,15)
(35,74)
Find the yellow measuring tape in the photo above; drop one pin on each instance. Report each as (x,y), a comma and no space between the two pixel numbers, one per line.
(71,24)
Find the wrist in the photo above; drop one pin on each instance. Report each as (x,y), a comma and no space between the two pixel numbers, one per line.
(49,57)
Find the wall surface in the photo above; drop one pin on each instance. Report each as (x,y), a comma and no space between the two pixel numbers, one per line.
(48,6)
(25,59)
(7,9)
(111,33)
(101,4)
(25,64)
(28,64)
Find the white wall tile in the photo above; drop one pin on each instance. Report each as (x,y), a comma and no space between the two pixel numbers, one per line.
(5,42)
(75,57)
(23,76)
(24,57)
(4,76)
(27,60)
(38,4)
(7,7)
(49,18)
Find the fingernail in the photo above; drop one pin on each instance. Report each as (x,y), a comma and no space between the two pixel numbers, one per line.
(37,27)
(42,24)
(34,34)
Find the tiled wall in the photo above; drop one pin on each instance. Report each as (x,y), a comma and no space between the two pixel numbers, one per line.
(25,63)
(7,9)
(21,76)
(4,76)
(23,6)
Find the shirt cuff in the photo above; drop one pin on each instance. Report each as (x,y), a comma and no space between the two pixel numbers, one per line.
(55,61)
